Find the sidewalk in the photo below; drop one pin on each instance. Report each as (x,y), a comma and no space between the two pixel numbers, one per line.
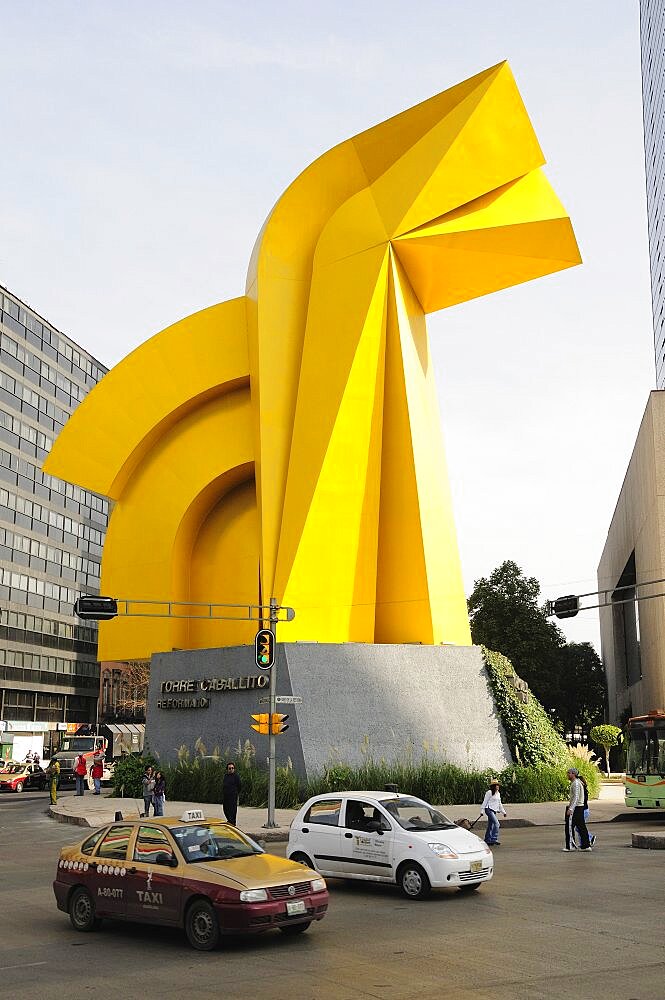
(93,811)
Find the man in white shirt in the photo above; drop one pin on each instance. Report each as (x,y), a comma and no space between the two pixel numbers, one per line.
(575,813)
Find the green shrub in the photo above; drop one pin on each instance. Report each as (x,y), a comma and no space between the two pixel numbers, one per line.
(127,775)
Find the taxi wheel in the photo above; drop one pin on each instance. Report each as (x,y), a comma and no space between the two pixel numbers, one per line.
(413,881)
(19,786)
(294,928)
(201,926)
(82,911)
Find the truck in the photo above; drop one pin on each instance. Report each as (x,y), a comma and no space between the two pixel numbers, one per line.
(110,741)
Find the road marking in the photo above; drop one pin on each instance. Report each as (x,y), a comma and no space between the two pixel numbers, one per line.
(26,965)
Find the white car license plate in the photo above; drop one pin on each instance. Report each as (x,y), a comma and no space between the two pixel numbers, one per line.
(476,866)
(295,906)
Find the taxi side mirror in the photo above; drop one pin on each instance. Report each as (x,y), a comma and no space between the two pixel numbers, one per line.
(375,826)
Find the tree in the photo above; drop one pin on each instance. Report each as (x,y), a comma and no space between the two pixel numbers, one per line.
(579,699)
(505,617)
(567,678)
(606,737)
(132,693)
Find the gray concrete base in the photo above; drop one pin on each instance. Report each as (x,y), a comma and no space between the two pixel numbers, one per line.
(649,841)
(359,701)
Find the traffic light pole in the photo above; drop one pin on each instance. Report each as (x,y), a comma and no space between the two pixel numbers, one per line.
(272,768)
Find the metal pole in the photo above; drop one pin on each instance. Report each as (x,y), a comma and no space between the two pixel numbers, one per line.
(272,775)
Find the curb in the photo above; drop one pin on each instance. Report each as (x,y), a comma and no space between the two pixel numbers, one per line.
(649,841)
(65,818)
(279,836)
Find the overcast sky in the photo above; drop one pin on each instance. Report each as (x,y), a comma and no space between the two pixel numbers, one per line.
(145,143)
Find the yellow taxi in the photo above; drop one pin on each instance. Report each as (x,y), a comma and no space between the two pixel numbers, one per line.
(203,875)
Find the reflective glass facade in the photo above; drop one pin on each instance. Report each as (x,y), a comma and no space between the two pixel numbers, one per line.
(51,533)
(652,37)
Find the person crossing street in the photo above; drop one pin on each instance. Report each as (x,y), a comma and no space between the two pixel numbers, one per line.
(574,818)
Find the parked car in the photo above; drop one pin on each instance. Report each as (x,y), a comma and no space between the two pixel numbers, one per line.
(203,875)
(18,777)
(387,837)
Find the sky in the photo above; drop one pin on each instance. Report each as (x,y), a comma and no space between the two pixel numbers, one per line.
(145,143)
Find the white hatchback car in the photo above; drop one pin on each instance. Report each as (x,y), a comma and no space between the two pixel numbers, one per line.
(388,837)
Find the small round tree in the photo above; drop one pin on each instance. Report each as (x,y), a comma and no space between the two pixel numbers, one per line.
(606,737)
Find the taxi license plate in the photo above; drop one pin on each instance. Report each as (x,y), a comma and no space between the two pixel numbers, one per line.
(295,906)
(476,866)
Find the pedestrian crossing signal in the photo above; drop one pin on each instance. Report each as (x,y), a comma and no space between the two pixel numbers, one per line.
(262,723)
(264,648)
(277,723)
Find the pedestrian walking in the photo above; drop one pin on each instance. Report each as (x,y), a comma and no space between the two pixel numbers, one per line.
(148,783)
(97,773)
(592,836)
(80,771)
(159,794)
(231,788)
(574,818)
(53,775)
(491,807)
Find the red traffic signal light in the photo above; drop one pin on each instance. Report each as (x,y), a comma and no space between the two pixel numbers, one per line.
(264,648)
(277,723)
(262,723)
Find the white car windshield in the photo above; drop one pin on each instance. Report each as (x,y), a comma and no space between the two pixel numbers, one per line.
(414,815)
(213,842)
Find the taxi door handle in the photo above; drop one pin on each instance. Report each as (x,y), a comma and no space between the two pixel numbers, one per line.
(349,835)
(305,829)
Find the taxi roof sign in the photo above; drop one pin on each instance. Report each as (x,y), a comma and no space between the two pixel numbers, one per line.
(192,816)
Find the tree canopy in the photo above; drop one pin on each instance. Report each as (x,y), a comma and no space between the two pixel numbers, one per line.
(567,678)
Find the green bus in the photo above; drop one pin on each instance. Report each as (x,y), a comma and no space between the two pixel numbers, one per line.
(644,783)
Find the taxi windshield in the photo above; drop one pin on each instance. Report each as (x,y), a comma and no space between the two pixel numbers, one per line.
(212,842)
(14,769)
(414,815)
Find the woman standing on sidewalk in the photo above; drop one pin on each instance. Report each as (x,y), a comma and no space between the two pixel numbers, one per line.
(159,793)
(491,807)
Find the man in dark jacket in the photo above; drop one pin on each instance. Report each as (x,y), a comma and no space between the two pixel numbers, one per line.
(230,792)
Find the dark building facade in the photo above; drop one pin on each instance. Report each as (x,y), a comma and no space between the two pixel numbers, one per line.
(51,536)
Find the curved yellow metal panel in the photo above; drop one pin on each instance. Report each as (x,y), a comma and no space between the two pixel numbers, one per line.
(287,444)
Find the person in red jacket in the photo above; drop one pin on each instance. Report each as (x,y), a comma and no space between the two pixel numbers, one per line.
(80,771)
(97,773)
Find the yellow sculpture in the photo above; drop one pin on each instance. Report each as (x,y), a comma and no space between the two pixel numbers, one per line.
(286,444)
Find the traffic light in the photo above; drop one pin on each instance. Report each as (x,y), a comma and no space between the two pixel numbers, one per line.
(262,723)
(267,724)
(277,723)
(264,648)
(566,607)
(99,609)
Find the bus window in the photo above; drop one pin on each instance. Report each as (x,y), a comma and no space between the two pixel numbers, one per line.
(636,762)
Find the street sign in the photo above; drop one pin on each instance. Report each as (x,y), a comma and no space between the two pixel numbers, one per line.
(282,699)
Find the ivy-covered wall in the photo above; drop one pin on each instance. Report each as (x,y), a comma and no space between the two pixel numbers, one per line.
(531,736)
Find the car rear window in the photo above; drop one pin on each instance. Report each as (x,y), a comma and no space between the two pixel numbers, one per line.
(88,846)
(115,843)
(325,812)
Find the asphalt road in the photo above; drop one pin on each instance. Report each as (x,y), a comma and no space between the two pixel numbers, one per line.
(550,925)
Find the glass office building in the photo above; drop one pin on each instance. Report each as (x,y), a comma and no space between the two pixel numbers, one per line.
(51,536)
(652,39)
